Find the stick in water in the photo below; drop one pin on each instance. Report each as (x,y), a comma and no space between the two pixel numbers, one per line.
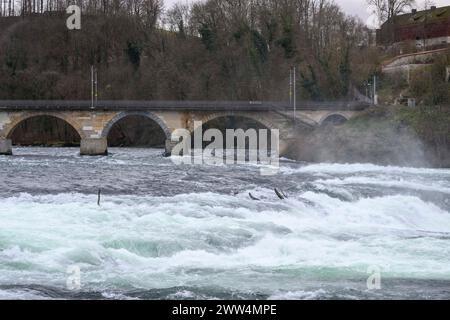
(279,194)
(252,197)
(99,193)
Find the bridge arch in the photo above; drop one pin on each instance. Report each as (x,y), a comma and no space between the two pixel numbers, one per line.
(23,118)
(147,115)
(136,129)
(335,118)
(232,120)
(263,121)
(248,115)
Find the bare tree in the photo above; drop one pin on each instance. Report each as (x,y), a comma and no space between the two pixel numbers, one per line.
(151,11)
(178,18)
(387,9)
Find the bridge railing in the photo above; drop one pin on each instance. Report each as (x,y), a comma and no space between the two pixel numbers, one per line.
(132,105)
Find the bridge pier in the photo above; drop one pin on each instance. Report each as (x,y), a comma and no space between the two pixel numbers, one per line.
(5,147)
(169,147)
(94,147)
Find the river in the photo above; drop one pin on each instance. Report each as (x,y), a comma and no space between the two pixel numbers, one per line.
(166,231)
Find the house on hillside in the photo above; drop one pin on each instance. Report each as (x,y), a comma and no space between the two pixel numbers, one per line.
(414,40)
(416,31)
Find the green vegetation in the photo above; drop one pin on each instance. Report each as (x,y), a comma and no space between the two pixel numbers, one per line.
(432,126)
(430,119)
(393,135)
(429,84)
(429,123)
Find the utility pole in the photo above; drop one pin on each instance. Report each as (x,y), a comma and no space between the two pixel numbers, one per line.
(375,96)
(290,87)
(96,87)
(295,96)
(92,87)
(293,91)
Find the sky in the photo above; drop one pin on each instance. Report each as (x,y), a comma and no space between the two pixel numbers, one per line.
(352,7)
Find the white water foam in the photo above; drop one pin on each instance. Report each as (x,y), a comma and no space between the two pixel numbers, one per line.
(149,242)
(335,168)
(437,186)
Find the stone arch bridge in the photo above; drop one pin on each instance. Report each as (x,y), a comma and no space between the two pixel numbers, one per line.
(93,123)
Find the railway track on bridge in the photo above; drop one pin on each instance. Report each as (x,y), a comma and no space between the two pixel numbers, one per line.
(131,105)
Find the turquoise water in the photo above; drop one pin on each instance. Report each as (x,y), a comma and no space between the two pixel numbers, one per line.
(165,231)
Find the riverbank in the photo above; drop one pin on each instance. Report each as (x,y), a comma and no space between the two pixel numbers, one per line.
(401,136)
